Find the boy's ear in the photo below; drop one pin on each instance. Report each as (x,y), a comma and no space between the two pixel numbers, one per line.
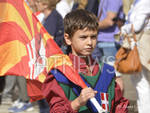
(67,39)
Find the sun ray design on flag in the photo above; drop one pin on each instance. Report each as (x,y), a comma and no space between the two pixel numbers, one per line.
(31,52)
(28,50)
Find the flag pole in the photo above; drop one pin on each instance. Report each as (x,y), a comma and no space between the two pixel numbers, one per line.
(97,105)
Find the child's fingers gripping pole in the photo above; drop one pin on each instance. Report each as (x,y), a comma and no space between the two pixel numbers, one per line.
(97,105)
(93,100)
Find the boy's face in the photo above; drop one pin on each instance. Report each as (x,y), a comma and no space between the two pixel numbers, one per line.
(83,42)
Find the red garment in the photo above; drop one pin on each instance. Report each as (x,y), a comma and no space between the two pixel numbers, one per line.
(80,65)
(59,103)
(34,90)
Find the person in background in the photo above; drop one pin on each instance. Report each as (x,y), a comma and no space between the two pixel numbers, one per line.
(8,91)
(22,103)
(2,85)
(31,4)
(90,5)
(126,6)
(139,16)
(81,29)
(53,23)
(110,12)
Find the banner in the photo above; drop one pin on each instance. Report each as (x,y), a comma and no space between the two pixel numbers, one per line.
(26,49)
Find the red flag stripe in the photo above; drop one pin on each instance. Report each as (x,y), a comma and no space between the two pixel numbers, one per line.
(30,30)
(102,96)
(19,6)
(10,31)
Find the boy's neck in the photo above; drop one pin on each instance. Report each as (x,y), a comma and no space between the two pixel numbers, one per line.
(85,58)
(85,63)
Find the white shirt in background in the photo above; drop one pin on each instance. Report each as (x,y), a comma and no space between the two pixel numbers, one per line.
(138,16)
(64,7)
(40,16)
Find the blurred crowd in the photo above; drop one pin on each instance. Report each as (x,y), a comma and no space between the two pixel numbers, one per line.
(51,14)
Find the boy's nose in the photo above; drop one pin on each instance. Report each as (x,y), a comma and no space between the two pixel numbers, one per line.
(89,40)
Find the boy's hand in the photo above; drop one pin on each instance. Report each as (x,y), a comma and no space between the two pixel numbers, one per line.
(85,95)
(82,99)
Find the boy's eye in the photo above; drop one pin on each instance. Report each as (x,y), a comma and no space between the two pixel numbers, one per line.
(83,37)
(93,37)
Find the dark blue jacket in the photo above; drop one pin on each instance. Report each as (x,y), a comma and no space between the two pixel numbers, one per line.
(54,26)
(92,6)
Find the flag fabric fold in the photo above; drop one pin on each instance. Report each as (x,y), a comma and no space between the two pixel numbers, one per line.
(27,49)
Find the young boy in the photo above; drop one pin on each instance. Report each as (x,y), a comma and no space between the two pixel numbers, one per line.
(81,28)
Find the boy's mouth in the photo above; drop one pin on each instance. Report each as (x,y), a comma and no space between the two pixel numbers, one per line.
(88,49)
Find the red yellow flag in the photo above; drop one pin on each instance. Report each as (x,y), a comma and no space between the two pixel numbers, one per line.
(26,49)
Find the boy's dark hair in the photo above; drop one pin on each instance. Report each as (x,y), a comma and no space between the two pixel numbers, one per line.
(78,20)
